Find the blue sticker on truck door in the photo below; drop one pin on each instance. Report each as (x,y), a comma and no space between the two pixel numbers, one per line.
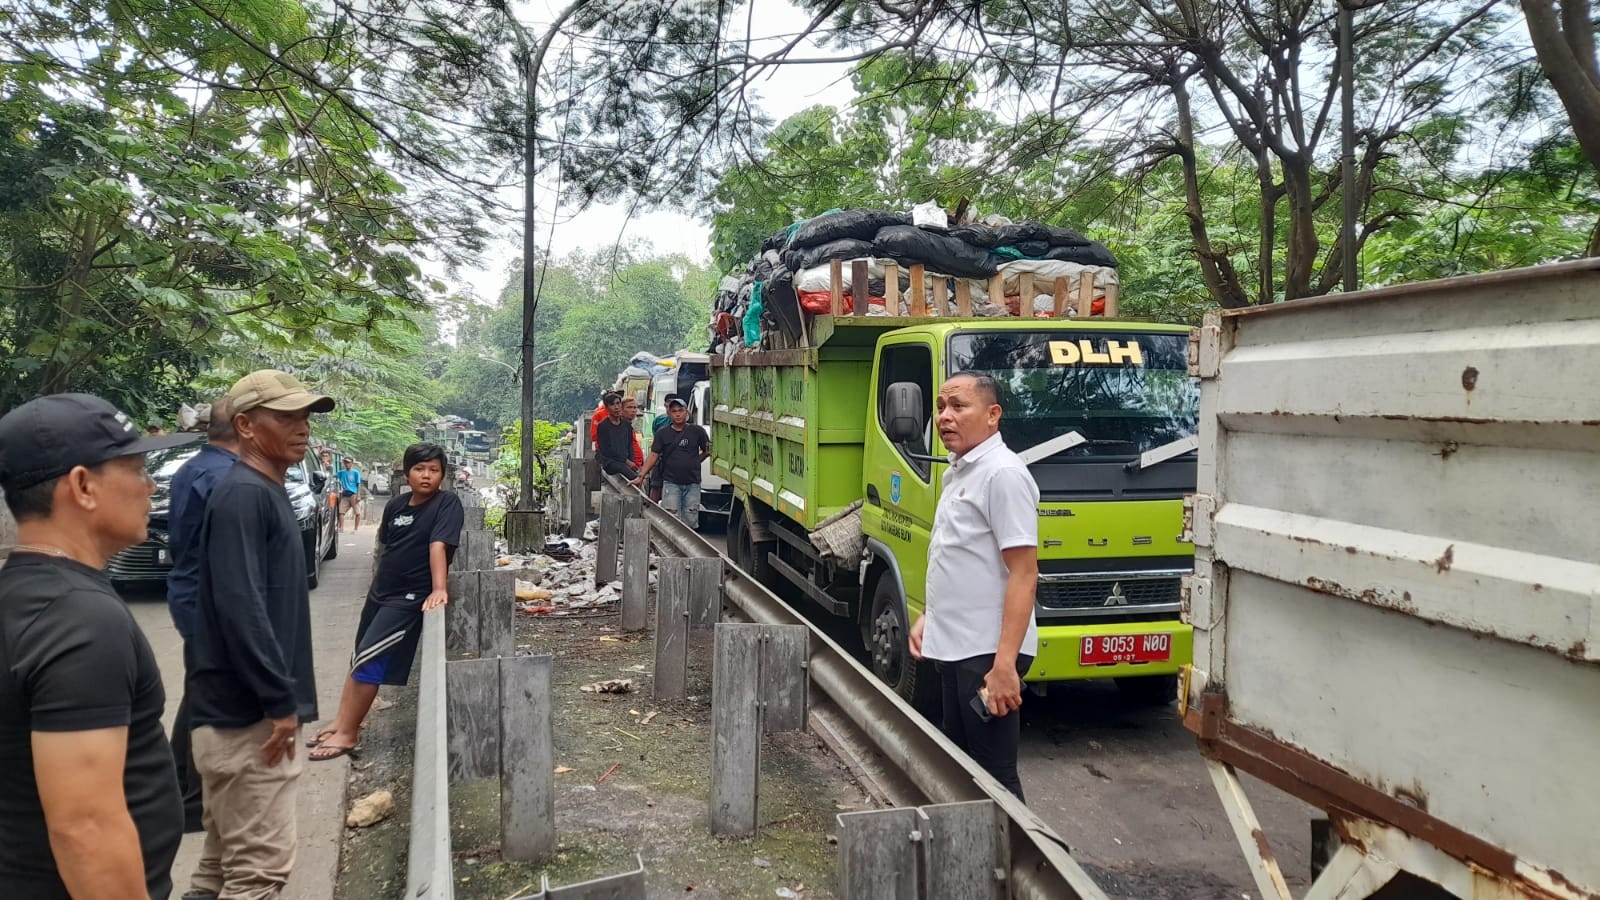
(894,488)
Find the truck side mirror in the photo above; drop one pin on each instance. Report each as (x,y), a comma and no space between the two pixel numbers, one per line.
(903,412)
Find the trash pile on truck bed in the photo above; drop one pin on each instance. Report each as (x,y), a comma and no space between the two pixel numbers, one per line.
(799,270)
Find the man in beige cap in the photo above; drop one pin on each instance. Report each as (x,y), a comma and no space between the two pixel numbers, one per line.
(252,685)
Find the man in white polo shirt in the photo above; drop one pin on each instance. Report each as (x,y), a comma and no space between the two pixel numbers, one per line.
(983,566)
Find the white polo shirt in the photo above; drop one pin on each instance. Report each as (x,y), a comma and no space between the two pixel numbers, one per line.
(989,503)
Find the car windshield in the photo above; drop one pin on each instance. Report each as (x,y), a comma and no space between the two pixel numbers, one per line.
(163,464)
(1124,392)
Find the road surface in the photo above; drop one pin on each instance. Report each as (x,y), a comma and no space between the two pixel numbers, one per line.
(335,609)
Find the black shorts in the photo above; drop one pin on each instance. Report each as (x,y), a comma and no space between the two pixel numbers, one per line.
(386,643)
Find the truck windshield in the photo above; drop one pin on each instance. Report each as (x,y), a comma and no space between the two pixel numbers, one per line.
(1125,392)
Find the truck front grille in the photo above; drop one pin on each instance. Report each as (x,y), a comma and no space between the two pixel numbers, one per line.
(1109,596)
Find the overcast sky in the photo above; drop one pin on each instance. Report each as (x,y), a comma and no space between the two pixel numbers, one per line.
(785,92)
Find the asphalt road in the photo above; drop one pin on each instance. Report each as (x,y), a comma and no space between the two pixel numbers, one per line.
(335,609)
(1125,786)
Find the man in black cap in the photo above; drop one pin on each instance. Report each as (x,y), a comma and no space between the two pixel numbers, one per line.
(252,684)
(680,447)
(89,804)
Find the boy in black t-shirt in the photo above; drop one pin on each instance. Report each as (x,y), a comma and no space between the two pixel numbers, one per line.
(417,537)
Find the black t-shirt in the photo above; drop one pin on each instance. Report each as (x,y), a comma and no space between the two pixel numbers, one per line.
(614,441)
(404,577)
(678,453)
(253,635)
(72,659)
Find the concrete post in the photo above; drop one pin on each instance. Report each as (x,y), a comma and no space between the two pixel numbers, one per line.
(636,574)
(605,559)
(527,759)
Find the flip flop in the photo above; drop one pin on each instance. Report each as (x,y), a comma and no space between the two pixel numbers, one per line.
(352,752)
(323,735)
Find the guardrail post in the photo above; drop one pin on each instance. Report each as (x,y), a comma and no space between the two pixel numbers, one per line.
(527,759)
(946,851)
(605,559)
(473,699)
(636,575)
(705,590)
(758,685)
(429,875)
(478,618)
(476,550)
(735,728)
(672,628)
(880,854)
(578,511)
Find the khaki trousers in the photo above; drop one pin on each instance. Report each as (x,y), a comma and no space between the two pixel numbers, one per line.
(249,813)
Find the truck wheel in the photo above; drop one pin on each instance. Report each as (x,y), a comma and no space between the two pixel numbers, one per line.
(888,634)
(1151,690)
(750,556)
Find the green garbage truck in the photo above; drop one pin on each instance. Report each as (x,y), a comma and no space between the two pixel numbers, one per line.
(836,470)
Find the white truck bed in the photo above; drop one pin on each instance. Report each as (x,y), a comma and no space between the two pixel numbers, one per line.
(1397,596)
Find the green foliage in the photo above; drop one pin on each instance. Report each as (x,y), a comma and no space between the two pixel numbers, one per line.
(595,312)
(547,436)
(180,180)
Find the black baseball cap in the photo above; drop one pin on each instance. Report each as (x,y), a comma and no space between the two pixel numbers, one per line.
(47,437)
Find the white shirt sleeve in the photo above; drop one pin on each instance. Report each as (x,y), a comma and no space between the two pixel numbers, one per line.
(1014,509)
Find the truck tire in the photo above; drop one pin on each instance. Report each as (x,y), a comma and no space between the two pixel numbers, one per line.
(889,650)
(750,556)
(1151,690)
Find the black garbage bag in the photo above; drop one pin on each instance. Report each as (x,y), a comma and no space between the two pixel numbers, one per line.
(1018,235)
(776,240)
(782,304)
(844,248)
(762,265)
(860,224)
(941,253)
(1091,253)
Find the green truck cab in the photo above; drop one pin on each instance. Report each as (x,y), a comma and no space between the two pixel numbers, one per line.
(831,507)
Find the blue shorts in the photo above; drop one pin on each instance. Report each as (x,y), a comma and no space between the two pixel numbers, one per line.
(386,643)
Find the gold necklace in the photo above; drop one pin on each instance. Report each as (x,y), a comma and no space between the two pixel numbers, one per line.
(42,548)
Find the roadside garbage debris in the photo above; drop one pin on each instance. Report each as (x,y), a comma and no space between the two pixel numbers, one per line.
(370,810)
(609,686)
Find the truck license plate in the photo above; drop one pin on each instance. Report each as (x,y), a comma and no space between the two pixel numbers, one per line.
(1111,649)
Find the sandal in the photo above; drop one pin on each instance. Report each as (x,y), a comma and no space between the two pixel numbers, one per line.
(322,735)
(334,752)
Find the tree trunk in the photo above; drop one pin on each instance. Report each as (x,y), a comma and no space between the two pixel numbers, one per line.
(1215,267)
(1565,47)
(1303,246)
(1269,224)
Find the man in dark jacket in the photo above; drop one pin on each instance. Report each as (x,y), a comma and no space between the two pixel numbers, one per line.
(190,489)
(252,685)
(614,439)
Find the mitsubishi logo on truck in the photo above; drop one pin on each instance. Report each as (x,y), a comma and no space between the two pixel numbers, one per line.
(1116,598)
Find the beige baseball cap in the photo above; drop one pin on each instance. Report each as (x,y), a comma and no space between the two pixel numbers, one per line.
(272,389)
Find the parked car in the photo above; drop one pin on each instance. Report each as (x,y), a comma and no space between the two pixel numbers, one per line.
(379,482)
(307,486)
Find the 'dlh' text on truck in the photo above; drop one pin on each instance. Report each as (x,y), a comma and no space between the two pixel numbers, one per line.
(837,437)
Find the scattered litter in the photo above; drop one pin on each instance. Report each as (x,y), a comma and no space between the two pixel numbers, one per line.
(608,773)
(761,863)
(633,712)
(648,717)
(638,668)
(628,733)
(559,550)
(1095,745)
(526,590)
(563,770)
(609,686)
(833,839)
(370,810)
(787,894)
(608,639)
(538,610)
(591,531)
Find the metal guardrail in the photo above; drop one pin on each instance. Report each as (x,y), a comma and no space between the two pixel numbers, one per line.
(872,721)
(429,869)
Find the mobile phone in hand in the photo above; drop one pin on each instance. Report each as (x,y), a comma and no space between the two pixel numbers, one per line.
(980,705)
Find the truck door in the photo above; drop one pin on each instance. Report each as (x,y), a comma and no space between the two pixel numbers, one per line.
(901,492)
